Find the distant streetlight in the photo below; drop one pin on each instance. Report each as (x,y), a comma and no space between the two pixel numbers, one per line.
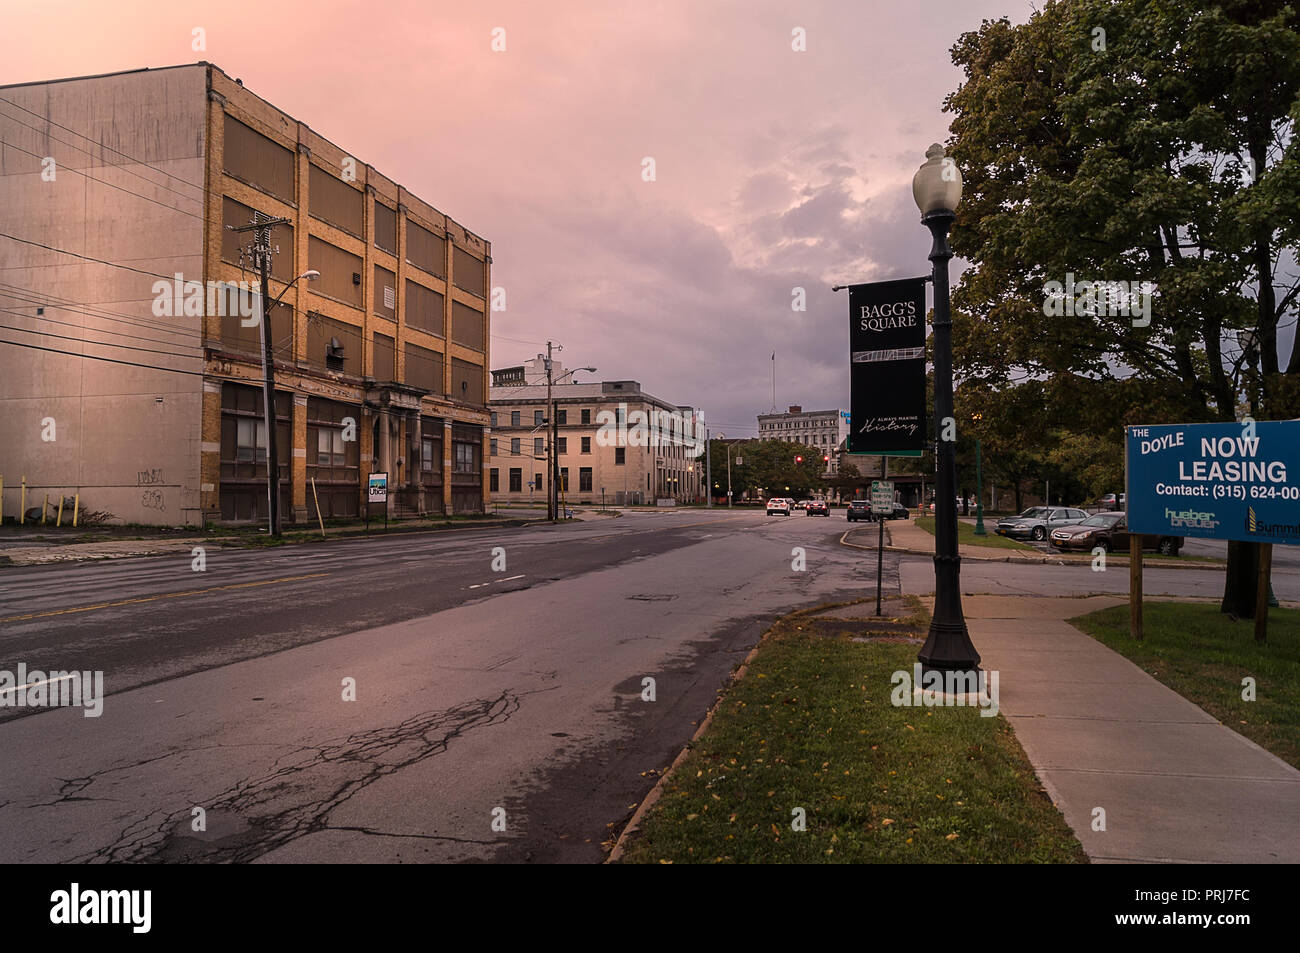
(948,648)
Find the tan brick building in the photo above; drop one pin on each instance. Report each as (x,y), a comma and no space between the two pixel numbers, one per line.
(626,470)
(380,364)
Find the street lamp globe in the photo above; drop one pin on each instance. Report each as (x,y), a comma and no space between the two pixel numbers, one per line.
(937,183)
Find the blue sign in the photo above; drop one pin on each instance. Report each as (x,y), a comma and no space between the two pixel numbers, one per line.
(1215,481)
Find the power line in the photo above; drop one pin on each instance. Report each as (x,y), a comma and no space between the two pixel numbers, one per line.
(27,296)
(99,261)
(66,337)
(102,146)
(78,172)
(114,165)
(96,357)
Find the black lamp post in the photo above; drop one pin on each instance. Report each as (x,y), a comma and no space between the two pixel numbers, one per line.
(937,190)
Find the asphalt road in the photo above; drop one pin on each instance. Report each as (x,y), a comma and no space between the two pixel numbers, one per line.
(514,696)
(481,696)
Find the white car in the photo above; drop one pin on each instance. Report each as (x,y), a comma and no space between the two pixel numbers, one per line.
(778,505)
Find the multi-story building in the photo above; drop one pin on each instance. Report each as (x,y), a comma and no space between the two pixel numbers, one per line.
(591,466)
(821,430)
(130,371)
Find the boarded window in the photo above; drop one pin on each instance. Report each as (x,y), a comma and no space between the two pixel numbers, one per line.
(424,368)
(237,214)
(466,325)
(235,336)
(385,294)
(466,381)
(333,345)
(250,156)
(423,308)
(340,271)
(334,201)
(385,358)
(470,273)
(385,228)
(424,249)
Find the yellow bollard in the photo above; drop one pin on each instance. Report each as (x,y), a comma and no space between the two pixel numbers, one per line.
(76,505)
(59,521)
(22,504)
(44,508)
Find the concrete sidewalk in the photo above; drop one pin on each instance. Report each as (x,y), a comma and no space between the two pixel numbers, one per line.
(1176,785)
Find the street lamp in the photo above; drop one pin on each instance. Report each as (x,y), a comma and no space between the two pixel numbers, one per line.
(948,648)
(268,395)
(979,484)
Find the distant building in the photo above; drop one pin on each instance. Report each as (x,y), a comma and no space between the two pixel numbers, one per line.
(154,398)
(822,431)
(616,464)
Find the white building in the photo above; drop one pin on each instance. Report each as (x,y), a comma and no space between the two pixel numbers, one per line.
(821,430)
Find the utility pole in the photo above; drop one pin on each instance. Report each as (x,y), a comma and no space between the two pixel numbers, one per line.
(551,462)
(262,259)
(708,469)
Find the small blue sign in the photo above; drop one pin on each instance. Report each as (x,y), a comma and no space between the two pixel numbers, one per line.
(1215,481)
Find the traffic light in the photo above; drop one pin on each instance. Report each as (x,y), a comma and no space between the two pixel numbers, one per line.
(798,459)
(826,458)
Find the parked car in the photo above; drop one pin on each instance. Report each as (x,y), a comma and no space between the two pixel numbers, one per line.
(858,510)
(778,506)
(1112,501)
(818,508)
(900,512)
(1110,532)
(1038,521)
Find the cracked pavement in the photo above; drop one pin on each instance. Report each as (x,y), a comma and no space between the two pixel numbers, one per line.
(518,703)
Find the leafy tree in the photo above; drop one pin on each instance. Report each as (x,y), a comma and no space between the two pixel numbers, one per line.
(1163,151)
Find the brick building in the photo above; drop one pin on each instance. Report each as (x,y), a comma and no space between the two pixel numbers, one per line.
(380,363)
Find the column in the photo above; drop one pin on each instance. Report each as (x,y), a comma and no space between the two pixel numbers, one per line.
(298,463)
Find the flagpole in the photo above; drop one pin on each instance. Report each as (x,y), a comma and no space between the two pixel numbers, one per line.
(774,382)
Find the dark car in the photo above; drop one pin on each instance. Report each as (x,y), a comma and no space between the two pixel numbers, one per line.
(858,510)
(899,512)
(818,508)
(1110,532)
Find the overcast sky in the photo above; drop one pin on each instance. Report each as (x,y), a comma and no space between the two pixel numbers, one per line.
(774,169)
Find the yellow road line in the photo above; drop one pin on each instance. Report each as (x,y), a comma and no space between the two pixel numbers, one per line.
(165,595)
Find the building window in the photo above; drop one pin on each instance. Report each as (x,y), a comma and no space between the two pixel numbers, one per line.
(494,479)
(329,448)
(584,480)
(492,446)
(619,414)
(514,446)
(464,459)
(514,418)
(494,419)
(250,441)
(586,443)
(537,481)
(564,479)
(562,444)
(537,418)
(537,446)
(516,480)
(561,417)
(586,416)
(620,456)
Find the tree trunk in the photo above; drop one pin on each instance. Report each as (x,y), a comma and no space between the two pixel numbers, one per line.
(1241,579)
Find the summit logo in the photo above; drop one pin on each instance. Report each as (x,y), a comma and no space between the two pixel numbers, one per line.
(1250,519)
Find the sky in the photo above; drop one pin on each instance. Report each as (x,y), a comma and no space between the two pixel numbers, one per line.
(773,168)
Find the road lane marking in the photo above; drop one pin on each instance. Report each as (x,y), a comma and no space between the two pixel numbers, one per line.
(47,681)
(508,578)
(165,595)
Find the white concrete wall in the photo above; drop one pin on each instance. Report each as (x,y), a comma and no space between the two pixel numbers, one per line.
(126,438)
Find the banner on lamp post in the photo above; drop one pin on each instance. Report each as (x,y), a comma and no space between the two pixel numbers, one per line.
(887,367)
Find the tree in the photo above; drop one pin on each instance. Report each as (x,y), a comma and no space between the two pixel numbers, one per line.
(1160,151)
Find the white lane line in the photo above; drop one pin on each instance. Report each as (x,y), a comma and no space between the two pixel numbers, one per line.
(508,578)
(479,586)
(48,681)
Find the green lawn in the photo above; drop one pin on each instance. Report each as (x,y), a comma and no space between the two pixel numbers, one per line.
(966,535)
(1203,655)
(811,726)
